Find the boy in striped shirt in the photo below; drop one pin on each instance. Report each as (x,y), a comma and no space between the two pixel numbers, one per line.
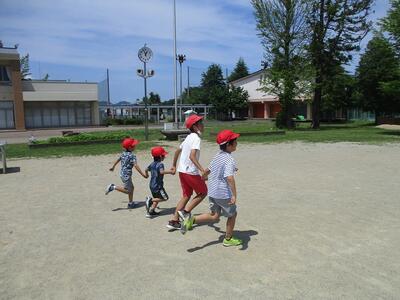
(221,188)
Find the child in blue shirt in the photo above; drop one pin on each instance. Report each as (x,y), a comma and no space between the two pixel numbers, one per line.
(156,168)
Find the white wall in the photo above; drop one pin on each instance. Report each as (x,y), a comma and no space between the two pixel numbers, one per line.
(252,85)
(58,91)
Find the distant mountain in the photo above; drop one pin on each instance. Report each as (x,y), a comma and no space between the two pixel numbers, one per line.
(124,103)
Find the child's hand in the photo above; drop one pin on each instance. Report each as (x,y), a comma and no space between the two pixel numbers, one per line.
(112,169)
(232,201)
(173,170)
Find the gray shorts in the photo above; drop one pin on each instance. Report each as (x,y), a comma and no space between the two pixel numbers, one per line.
(128,184)
(221,206)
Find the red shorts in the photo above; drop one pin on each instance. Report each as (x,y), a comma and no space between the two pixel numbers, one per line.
(190,183)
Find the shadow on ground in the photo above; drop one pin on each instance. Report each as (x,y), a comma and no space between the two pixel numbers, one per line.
(244,235)
(139,204)
(396,133)
(11,170)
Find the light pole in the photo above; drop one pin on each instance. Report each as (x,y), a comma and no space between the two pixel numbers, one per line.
(145,54)
(181,58)
(174,57)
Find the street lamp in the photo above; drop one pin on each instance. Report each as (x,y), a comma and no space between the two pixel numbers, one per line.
(145,54)
(175,80)
(181,58)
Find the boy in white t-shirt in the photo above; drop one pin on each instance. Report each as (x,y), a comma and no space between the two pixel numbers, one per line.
(221,188)
(190,173)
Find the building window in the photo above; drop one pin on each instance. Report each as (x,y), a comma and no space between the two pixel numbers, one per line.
(3,74)
(7,115)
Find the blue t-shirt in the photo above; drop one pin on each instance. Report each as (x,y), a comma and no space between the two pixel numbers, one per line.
(128,161)
(157,179)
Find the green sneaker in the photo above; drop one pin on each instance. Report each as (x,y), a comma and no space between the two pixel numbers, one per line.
(232,242)
(187,225)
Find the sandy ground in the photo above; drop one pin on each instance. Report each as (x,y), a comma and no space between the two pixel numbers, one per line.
(319,221)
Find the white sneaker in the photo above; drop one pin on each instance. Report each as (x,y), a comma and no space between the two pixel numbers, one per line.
(149,203)
(110,188)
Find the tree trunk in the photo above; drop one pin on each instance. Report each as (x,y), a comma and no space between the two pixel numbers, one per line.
(316,105)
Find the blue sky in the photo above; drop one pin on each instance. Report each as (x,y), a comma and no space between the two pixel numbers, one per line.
(79,40)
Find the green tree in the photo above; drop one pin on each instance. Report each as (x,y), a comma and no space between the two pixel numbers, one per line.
(240,70)
(213,90)
(337,27)
(391,24)
(213,85)
(338,90)
(195,95)
(378,75)
(283,30)
(154,98)
(25,69)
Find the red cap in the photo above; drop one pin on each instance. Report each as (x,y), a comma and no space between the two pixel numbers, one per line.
(192,120)
(129,142)
(158,151)
(225,136)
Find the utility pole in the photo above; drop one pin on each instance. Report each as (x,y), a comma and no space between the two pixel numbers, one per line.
(181,58)
(175,79)
(188,83)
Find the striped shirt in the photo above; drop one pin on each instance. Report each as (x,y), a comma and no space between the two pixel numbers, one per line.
(222,166)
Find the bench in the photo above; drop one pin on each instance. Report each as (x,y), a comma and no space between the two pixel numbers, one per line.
(182,137)
(3,157)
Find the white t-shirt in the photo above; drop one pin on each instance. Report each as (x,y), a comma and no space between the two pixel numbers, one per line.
(192,141)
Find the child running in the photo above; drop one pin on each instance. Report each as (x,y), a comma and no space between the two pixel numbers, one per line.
(128,161)
(221,188)
(190,172)
(157,170)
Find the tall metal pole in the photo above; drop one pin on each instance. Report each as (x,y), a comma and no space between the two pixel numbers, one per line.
(174,57)
(180,93)
(188,84)
(108,89)
(146,120)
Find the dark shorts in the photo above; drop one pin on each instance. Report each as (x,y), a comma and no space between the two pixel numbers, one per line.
(160,194)
(190,183)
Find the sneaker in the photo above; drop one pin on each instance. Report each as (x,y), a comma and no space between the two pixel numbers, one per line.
(110,188)
(187,225)
(184,216)
(173,225)
(149,203)
(232,242)
(152,214)
(131,205)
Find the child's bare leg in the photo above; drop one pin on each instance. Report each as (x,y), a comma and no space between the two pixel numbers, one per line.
(130,196)
(230,224)
(195,201)
(211,217)
(156,201)
(121,189)
(179,206)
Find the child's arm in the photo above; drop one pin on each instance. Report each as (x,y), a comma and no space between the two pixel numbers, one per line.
(170,171)
(194,160)
(232,185)
(206,173)
(145,175)
(176,156)
(116,162)
(146,172)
